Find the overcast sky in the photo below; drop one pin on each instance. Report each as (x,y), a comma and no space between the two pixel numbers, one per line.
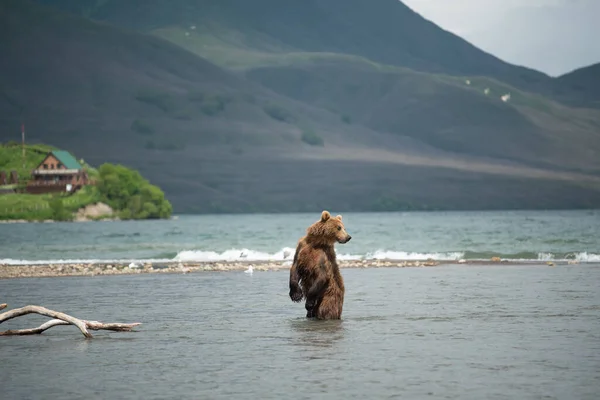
(552,36)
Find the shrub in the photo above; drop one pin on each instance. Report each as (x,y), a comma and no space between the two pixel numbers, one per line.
(59,213)
(156,98)
(214,104)
(141,127)
(278,113)
(126,190)
(311,138)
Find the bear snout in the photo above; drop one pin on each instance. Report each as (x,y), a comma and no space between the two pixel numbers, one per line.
(346,239)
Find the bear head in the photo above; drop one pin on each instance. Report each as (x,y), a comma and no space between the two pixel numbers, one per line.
(328,230)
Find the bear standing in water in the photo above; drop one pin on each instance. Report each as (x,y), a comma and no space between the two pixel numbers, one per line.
(315,274)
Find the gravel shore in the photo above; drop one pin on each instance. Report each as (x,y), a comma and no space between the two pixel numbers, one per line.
(94,269)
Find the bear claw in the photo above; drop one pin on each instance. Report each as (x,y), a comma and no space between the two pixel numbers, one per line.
(296,296)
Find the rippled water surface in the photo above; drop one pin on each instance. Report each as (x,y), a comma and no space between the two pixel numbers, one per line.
(520,235)
(448,332)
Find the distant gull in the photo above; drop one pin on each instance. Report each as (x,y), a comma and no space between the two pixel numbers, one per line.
(249,270)
(243,254)
(286,253)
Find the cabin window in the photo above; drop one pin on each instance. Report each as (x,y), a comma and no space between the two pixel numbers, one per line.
(59,165)
(45,166)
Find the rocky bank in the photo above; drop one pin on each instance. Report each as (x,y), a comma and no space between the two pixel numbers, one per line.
(96,269)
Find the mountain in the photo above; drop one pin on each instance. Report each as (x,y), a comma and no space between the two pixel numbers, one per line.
(233,116)
(585,81)
(525,32)
(383,31)
(95,81)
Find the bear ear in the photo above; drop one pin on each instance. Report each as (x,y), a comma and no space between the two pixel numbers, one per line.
(325,216)
(339,217)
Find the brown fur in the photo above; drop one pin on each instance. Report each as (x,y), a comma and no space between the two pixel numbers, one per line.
(315,275)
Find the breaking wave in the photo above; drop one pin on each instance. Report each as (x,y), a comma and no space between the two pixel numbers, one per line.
(286,255)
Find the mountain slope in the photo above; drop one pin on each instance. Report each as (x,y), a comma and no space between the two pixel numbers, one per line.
(218,141)
(384,31)
(75,71)
(585,81)
(453,115)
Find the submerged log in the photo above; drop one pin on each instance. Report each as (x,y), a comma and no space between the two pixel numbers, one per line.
(59,319)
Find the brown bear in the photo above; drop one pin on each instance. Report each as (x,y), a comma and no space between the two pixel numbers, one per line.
(315,274)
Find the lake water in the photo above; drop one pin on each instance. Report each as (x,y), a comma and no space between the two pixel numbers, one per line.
(516,235)
(447,332)
(457,331)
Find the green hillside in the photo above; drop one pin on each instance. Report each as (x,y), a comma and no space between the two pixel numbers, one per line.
(585,81)
(463,115)
(232,107)
(11,158)
(234,32)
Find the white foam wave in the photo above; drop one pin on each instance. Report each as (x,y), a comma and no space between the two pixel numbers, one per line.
(403,255)
(546,257)
(587,257)
(287,254)
(583,256)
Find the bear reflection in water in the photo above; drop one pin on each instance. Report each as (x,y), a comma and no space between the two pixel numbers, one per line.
(315,275)
(316,335)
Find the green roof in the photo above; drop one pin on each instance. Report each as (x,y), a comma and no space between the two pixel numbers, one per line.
(66,159)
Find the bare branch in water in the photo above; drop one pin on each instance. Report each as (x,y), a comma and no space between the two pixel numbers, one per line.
(60,319)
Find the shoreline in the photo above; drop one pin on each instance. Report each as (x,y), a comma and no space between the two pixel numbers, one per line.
(10,271)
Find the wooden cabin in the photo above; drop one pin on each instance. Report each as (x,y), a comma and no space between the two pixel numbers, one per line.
(58,172)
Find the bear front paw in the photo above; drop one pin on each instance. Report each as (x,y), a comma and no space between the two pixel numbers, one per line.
(296,295)
(309,305)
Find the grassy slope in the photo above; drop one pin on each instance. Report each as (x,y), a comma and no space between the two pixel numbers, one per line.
(28,206)
(157,95)
(585,81)
(385,31)
(242,156)
(316,77)
(462,114)
(11,158)
(37,207)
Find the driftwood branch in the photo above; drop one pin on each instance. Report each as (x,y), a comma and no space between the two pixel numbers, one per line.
(60,319)
(93,325)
